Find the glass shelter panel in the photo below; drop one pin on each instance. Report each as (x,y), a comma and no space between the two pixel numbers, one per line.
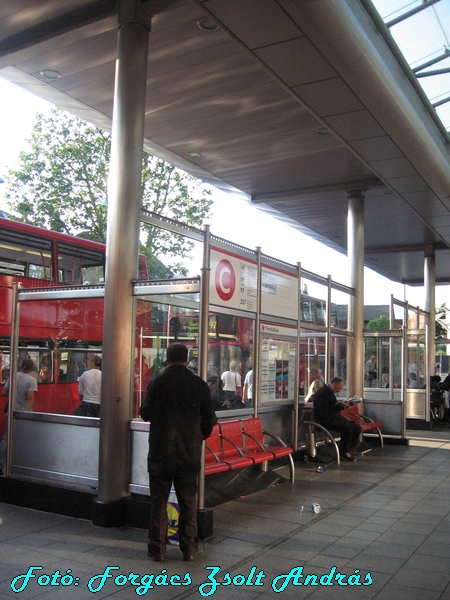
(161,322)
(383,353)
(339,349)
(413,318)
(416,357)
(313,302)
(312,358)
(399,317)
(313,321)
(60,337)
(340,302)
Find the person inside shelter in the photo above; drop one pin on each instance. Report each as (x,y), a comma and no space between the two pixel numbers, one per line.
(313,388)
(327,412)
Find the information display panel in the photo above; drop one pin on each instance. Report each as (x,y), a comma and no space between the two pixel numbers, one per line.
(278,374)
(234,281)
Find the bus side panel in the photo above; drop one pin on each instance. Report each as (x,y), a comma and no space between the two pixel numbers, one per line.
(60,398)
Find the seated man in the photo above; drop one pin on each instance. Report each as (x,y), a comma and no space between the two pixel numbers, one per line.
(327,411)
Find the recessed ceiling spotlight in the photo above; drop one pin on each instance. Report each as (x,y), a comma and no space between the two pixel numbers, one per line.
(207,25)
(50,74)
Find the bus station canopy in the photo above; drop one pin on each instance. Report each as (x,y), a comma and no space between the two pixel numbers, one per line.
(295,103)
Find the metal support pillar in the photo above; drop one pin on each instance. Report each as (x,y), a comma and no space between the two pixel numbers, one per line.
(355,252)
(204,304)
(13,368)
(121,261)
(429,278)
(328,334)
(257,338)
(204,515)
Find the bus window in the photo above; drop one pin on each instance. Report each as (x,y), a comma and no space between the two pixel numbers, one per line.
(22,254)
(42,361)
(12,267)
(313,311)
(80,266)
(72,362)
(320,312)
(39,272)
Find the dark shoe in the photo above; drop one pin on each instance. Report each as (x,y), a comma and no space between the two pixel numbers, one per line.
(155,557)
(349,457)
(188,557)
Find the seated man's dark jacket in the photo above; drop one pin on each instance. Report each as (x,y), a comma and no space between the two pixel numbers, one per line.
(181,414)
(445,385)
(326,406)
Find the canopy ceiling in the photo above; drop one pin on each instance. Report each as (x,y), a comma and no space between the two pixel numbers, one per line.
(294,102)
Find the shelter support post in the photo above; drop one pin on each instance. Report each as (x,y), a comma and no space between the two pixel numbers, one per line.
(121,262)
(205,516)
(430,307)
(355,252)
(256,366)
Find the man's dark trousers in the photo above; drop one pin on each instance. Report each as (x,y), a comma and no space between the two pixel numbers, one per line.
(350,432)
(186,490)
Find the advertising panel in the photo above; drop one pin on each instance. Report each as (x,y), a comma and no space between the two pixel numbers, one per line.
(279,294)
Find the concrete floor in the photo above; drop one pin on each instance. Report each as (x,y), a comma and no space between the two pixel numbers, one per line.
(384,520)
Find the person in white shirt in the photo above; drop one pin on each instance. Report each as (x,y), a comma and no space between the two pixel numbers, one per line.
(89,387)
(248,389)
(232,383)
(26,386)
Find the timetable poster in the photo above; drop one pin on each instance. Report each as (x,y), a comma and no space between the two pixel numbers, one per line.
(277,373)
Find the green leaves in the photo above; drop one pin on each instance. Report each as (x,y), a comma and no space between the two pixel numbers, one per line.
(61,184)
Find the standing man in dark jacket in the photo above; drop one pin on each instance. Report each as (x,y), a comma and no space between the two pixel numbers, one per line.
(178,405)
(327,412)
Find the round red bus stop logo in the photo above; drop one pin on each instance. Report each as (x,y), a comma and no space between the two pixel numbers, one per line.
(225,280)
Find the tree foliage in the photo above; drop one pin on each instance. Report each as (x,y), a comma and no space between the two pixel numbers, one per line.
(381,323)
(61,184)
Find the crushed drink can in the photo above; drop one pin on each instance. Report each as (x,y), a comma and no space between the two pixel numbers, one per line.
(316,508)
(321,469)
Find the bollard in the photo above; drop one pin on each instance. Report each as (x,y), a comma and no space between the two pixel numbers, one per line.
(310,442)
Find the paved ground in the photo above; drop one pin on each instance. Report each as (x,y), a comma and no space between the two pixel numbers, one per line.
(384,524)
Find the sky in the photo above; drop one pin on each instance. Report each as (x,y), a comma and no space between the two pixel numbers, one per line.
(234,218)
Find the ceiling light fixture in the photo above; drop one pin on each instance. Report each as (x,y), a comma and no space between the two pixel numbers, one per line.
(207,25)
(193,154)
(50,74)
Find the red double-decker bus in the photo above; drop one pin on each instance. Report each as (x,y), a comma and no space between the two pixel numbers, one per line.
(230,338)
(59,336)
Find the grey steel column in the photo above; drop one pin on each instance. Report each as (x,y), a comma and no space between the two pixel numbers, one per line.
(121,261)
(328,333)
(429,278)
(355,252)
(13,368)
(205,516)
(297,355)
(257,337)
(203,342)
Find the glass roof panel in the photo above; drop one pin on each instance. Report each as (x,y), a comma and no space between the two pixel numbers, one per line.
(421,29)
